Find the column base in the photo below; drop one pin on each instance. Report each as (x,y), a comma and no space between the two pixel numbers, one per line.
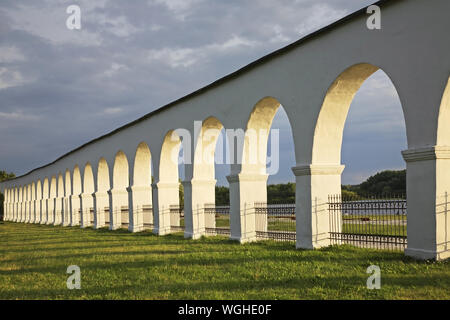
(421,254)
(135,229)
(162,231)
(243,240)
(194,236)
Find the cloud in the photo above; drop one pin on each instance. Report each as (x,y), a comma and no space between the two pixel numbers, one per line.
(11,78)
(114,110)
(18,116)
(186,57)
(10,54)
(131,57)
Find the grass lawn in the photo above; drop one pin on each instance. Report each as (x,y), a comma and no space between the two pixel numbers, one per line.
(121,265)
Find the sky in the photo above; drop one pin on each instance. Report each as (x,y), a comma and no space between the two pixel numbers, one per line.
(61,88)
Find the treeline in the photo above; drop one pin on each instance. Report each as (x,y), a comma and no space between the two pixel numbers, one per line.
(388,182)
(276,193)
(4,176)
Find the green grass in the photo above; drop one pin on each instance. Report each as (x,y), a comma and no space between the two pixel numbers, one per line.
(121,265)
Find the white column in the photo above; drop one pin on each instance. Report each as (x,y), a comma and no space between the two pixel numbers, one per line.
(66,211)
(24,211)
(428,189)
(33,211)
(30,212)
(245,191)
(51,211)
(86,204)
(44,212)
(117,199)
(75,205)
(38,211)
(138,196)
(58,211)
(101,201)
(314,184)
(18,207)
(165,195)
(198,194)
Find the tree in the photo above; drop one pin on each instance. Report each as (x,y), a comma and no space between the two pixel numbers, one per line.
(6,176)
(3,177)
(382,183)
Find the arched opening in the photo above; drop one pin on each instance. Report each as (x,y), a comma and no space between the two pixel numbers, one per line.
(75,200)
(52,200)
(141,212)
(101,195)
(119,193)
(87,201)
(20,206)
(66,201)
(33,203)
(45,197)
(170,205)
(274,217)
(59,201)
(367,139)
(214,219)
(27,202)
(38,201)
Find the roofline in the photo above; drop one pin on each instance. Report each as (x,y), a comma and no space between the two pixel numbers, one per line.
(224,79)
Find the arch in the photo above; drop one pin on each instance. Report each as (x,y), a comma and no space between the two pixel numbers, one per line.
(88,180)
(121,171)
(45,189)
(254,151)
(140,214)
(51,200)
(87,200)
(20,204)
(101,196)
(75,203)
(119,193)
(33,191)
(39,190)
(60,192)
(168,164)
(142,172)
(53,186)
(329,129)
(67,184)
(39,203)
(443,134)
(77,185)
(103,183)
(205,149)
(33,203)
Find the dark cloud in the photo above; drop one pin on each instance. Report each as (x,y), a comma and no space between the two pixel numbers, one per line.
(62,88)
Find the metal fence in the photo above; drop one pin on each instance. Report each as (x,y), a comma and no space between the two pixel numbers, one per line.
(217,220)
(272,221)
(369,222)
(176,218)
(275,221)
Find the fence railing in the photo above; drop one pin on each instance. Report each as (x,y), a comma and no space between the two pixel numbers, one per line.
(217,219)
(370,222)
(176,218)
(275,221)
